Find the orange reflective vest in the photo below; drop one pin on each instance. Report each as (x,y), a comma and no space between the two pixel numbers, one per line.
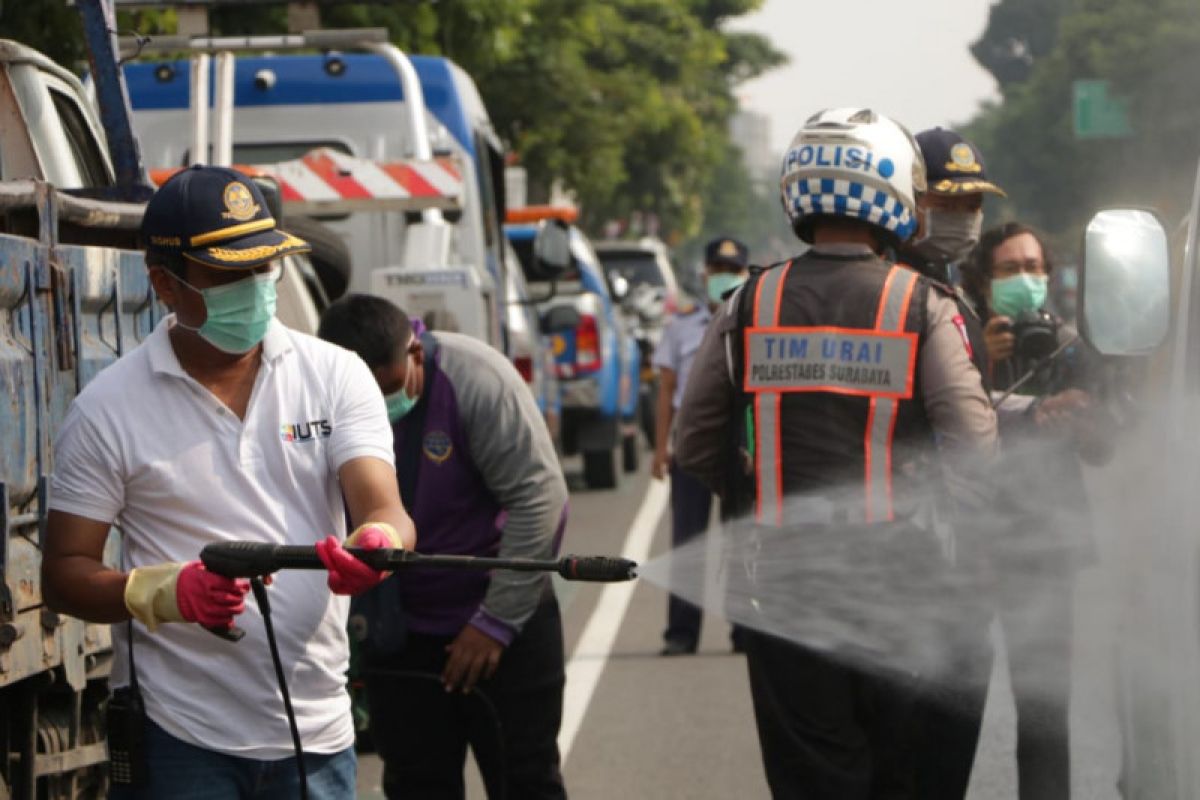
(876,364)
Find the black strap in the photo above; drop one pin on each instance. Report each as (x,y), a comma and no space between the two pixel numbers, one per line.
(133,681)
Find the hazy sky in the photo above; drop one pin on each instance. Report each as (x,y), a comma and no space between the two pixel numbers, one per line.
(905,58)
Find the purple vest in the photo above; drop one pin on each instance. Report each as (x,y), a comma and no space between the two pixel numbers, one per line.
(454,513)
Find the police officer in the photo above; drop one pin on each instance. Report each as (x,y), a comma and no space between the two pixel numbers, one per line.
(949,222)
(834,436)
(726,266)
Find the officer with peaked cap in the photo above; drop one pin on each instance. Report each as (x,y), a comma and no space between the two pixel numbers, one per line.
(949,222)
(950,219)
(726,267)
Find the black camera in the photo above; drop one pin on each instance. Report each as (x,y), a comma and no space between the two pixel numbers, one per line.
(1035,334)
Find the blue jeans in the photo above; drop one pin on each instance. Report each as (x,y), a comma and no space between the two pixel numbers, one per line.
(180,771)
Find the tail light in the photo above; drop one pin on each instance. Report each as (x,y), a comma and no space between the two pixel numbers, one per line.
(524,365)
(587,345)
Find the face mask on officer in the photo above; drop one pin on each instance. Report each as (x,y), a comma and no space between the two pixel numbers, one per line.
(238,313)
(721,283)
(1017,293)
(399,403)
(948,235)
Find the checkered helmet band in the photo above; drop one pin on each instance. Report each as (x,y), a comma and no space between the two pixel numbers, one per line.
(846,198)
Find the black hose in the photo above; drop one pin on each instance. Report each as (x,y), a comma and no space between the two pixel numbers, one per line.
(264,606)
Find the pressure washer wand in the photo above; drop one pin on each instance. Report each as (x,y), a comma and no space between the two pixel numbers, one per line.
(256,559)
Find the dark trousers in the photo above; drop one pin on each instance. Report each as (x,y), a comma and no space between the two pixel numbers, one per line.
(1037,616)
(691,507)
(952,713)
(510,721)
(827,730)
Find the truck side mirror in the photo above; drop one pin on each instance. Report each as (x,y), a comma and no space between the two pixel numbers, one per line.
(551,251)
(1125,283)
(560,319)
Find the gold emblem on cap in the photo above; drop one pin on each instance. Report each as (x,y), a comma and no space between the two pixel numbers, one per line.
(239,202)
(728,249)
(962,159)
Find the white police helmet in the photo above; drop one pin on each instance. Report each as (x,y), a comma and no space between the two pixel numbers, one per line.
(853,162)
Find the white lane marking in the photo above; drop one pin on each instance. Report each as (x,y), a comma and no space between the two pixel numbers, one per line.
(591,652)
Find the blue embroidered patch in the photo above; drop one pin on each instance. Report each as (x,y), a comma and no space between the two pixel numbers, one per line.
(437,446)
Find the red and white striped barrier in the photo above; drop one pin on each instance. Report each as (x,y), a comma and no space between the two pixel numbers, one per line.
(326,181)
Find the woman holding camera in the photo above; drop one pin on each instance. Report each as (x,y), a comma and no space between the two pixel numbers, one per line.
(1051,422)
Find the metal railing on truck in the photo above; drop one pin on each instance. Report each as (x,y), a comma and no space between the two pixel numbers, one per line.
(74,296)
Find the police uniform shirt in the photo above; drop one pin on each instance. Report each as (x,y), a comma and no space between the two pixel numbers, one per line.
(147,447)
(677,349)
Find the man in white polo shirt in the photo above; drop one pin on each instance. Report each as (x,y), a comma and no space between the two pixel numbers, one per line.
(223,425)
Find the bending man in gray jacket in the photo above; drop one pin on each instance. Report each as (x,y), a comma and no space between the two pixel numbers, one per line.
(458,658)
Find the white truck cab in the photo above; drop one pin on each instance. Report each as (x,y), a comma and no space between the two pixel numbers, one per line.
(47,129)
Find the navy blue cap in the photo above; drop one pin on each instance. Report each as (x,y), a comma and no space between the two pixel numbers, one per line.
(727,251)
(953,165)
(215,216)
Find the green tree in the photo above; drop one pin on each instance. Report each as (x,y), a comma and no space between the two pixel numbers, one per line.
(54,28)
(1149,52)
(1019,33)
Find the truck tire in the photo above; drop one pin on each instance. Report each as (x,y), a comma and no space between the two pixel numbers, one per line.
(600,469)
(330,256)
(629,451)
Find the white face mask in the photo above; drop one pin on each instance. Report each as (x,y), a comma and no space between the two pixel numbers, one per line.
(948,235)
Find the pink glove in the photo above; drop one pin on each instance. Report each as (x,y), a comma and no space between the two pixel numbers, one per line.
(208,598)
(348,575)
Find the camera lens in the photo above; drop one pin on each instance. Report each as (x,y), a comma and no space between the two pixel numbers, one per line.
(1035,334)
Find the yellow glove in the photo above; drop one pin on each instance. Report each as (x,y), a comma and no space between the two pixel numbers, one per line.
(178,592)
(356,539)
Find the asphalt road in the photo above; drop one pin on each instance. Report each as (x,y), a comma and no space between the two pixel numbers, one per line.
(653,727)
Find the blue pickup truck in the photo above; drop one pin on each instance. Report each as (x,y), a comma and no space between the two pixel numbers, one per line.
(597,359)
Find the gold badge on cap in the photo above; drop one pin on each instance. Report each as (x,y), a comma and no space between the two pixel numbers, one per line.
(962,159)
(728,249)
(239,202)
